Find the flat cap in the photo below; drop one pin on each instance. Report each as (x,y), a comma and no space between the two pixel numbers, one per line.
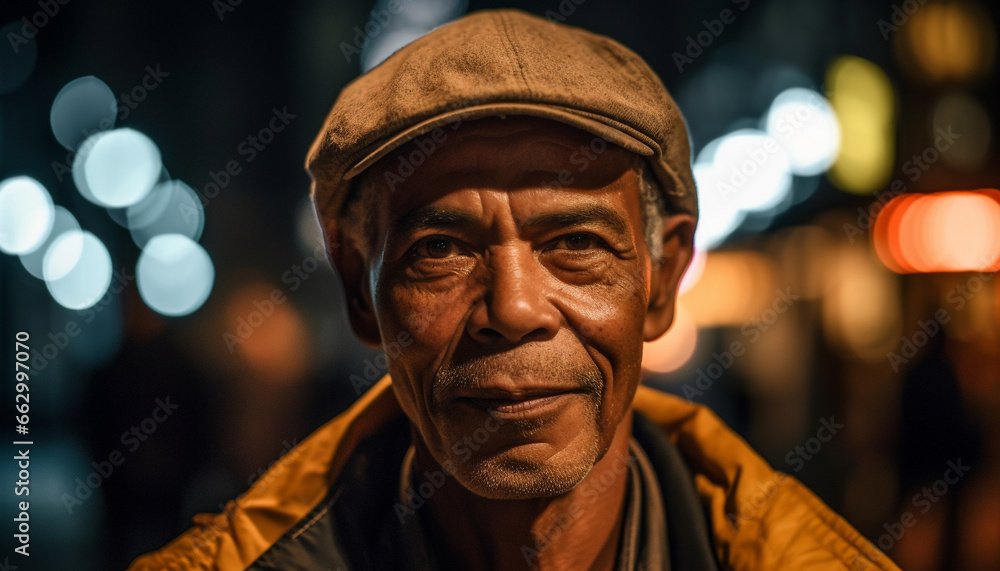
(498,63)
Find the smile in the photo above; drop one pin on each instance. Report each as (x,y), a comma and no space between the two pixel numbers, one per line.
(520,408)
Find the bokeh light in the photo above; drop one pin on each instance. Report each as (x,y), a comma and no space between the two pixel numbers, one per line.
(803,122)
(745,171)
(271,337)
(26,214)
(63,222)
(308,233)
(862,98)
(947,41)
(861,309)
(77,269)
(754,170)
(942,232)
(116,168)
(717,217)
(84,106)
(675,348)
(395,28)
(387,44)
(430,14)
(693,272)
(174,274)
(172,207)
(733,288)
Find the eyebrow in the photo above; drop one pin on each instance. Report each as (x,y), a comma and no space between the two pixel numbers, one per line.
(589,214)
(438,217)
(432,217)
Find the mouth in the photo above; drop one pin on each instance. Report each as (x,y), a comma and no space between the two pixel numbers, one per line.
(504,405)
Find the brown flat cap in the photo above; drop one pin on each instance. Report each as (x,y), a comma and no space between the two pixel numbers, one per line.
(496,63)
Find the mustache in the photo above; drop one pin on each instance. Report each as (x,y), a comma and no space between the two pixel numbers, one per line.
(532,366)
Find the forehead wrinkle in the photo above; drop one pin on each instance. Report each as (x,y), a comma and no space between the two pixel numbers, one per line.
(506,164)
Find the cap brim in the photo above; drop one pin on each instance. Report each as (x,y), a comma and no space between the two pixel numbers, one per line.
(613,132)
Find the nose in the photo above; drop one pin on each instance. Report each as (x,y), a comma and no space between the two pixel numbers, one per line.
(515,307)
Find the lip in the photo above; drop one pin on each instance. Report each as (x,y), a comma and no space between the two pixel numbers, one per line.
(519,406)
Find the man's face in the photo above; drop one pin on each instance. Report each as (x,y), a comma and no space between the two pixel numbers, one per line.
(525,295)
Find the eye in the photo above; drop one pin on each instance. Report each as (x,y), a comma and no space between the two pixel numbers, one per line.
(579,241)
(435,247)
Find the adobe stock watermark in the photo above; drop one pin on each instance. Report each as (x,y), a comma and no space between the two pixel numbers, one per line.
(264,476)
(376,367)
(249,148)
(798,456)
(752,329)
(293,277)
(127,102)
(757,158)
(209,530)
(922,503)
(750,504)
(60,339)
(225,7)
(591,491)
(696,44)
(581,159)
(417,495)
(563,11)
(428,144)
(378,23)
(900,15)
(766,148)
(958,297)
(30,25)
(915,167)
(132,439)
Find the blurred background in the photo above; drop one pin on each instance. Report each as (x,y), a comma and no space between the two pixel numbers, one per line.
(158,246)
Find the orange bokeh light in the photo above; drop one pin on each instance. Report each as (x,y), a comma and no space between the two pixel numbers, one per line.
(671,351)
(954,231)
(272,338)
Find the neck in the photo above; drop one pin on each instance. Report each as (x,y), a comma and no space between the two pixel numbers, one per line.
(578,530)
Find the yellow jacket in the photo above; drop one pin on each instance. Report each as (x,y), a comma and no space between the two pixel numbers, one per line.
(759,518)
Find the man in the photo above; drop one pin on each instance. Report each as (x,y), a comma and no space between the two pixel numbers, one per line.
(510,206)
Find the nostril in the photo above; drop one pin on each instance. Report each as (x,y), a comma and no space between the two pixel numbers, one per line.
(540,334)
(490,334)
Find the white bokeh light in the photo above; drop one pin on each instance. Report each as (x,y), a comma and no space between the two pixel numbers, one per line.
(805,126)
(174,274)
(26,215)
(77,269)
(172,207)
(753,170)
(717,218)
(117,168)
(64,222)
(388,43)
(83,106)
(393,25)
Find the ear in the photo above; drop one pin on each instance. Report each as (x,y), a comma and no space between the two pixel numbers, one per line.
(678,248)
(353,271)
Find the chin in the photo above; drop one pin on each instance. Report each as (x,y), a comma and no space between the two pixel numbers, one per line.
(521,473)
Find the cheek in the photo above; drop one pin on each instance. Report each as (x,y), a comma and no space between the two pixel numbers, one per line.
(431,314)
(610,314)
(429,317)
(609,317)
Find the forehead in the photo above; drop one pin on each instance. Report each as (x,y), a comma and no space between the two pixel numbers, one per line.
(502,154)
